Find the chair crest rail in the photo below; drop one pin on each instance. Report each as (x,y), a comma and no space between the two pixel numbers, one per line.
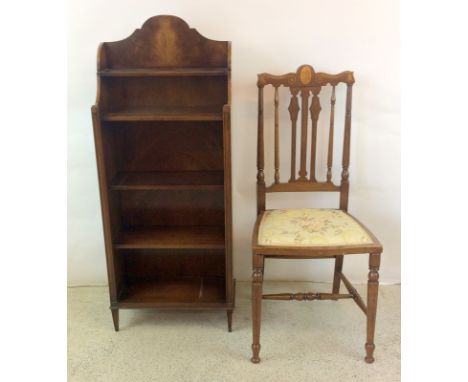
(305,76)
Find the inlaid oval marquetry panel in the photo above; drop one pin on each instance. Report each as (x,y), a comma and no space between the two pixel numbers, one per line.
(305,75)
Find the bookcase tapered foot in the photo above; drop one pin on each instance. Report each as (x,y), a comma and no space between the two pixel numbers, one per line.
(115,318)
(229,318)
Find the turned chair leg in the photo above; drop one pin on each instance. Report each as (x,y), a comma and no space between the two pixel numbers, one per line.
(336,276)
(229,318)
(257,280)
(115,318)
(372,292)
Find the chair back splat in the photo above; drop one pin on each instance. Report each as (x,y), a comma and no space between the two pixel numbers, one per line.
(303,84)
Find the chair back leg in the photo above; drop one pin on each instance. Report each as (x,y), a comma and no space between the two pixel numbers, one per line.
(372,292)
(336,276)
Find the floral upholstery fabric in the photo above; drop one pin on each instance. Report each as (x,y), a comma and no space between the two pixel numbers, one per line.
(308,227)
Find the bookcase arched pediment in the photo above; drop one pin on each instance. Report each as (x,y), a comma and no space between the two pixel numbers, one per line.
(162,134)
(164,41)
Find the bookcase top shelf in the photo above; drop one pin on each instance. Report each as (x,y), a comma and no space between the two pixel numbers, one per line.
(164,72)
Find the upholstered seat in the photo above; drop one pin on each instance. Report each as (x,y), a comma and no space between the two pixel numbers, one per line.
(308,227)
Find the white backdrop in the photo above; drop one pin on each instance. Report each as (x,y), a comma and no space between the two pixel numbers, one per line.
(267,36)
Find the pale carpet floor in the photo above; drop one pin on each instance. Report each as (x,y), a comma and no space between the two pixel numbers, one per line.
(301,341)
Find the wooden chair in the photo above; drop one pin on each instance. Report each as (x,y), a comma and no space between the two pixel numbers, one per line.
(309,233)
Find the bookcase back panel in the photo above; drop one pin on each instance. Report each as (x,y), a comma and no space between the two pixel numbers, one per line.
(164,93)
(151,264)
(167,146)
(164,41)
(172,208)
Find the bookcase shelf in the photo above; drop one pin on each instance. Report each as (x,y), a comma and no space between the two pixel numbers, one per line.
(203,292)
(162,134)
(168,180)
(172,237)
(187,113)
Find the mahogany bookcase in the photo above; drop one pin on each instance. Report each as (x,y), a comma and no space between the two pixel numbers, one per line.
(162,135)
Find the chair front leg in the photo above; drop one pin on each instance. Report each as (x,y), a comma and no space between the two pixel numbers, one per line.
(257,281)
(372,292)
